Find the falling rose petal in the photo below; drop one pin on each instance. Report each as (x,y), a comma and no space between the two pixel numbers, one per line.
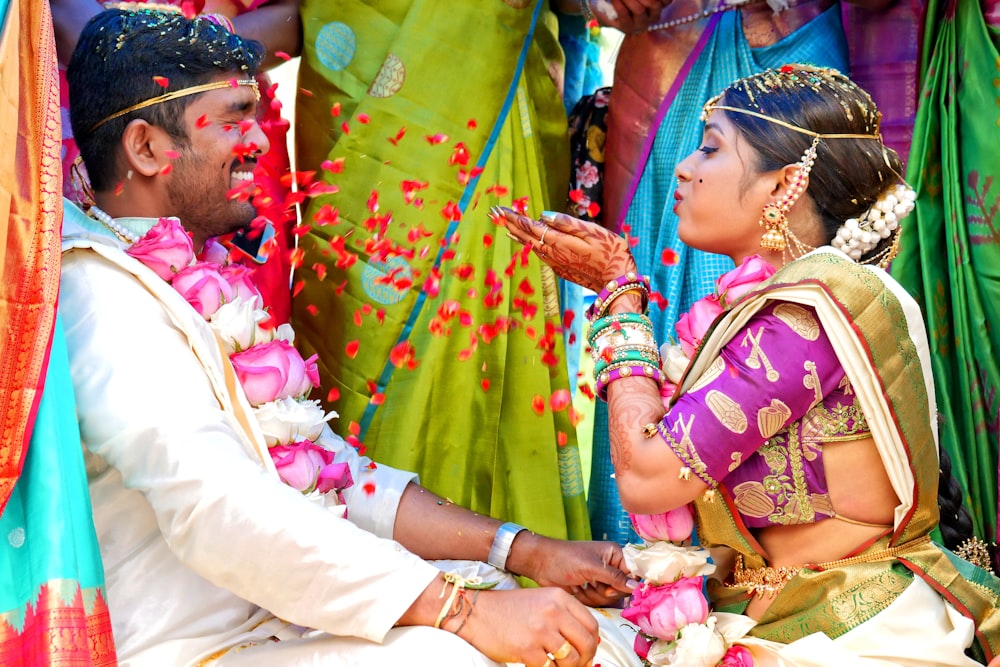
(354,428)
(353,441)
(594,209)
(538,404)
(575,196)
(401,354)
(380,315)
(567,319)
(562,439)
(357,318)
(171,154)
(372,386)
(587,390)
(498,190)
(119,188)
(189,10)
(352,349)
(333,395)
(520,206)
(333,166)
(281,54)
(306,92)
(659,300)
(363,118)
(485,384)
(472,124)
(246,125)
(312,309)
(339,289)
(460,155)
(335,110)
(345,128)
(377,399)
(161,81)
(434,139)
(669,257)
(560,400)
(487,240)
(320,270)
(399,135)
(575,418)
(166,169)
(373,201)
(368,488)
(298,288)
(633,241)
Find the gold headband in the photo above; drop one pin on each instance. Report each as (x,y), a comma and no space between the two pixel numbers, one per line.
(816,135)
(183,92)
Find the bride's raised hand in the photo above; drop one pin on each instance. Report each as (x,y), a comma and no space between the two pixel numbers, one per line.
(581,252)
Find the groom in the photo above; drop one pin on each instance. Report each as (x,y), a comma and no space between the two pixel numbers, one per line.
(209,556)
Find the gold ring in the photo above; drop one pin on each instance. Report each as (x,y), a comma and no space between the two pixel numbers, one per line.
(541,240)
(563,651)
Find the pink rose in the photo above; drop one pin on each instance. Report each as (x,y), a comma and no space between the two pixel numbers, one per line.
(660,611)
(203,287)
(307,466)
(737,656)
(213,251)
(238,276)
(641,645)
(692,325)
(673,526)
(166,248)
(274,370)
(743,279)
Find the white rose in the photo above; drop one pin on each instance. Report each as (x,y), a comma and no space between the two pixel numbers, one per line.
(697,645)
(328,501)
(285,332)
(238,324)
(673,361)
(288,420)
(663,562)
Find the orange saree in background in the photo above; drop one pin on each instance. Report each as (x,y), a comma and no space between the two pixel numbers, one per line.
(52,609)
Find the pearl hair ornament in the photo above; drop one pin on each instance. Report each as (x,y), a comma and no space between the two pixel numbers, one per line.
(859,236)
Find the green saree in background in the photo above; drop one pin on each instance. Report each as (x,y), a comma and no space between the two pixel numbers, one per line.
(950,259)
(440,339)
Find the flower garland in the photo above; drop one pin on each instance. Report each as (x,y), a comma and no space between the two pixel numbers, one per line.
(274,376)
(676,626)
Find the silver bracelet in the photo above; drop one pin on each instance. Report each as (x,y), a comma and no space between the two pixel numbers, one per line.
(502,542)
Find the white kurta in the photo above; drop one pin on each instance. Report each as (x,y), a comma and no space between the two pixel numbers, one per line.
(197,537)
(204,548)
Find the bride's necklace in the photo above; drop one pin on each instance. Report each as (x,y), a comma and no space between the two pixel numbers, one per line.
(123,234)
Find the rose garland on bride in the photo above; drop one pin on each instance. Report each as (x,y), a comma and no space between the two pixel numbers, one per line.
(274,376)
(670,609)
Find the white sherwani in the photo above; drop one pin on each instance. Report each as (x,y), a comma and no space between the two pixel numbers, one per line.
(204,548)
(227,539)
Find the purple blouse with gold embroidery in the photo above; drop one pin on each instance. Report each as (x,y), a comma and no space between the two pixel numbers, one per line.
(758,417)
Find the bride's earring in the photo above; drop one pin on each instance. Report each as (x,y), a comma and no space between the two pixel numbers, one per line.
(774,216)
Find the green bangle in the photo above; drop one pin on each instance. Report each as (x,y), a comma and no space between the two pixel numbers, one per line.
(629,356)
(602,323)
